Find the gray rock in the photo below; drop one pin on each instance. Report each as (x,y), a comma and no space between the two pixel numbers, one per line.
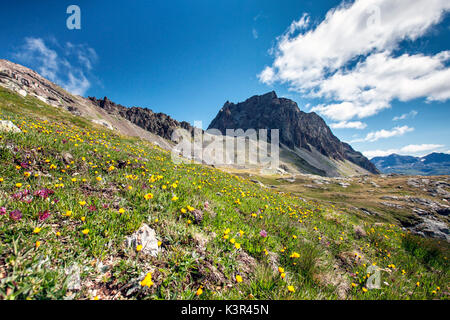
(73,277)
(433,229)
(146,237)
(343,184)
(368,212)
(67,157)
(374,184)
(421,212)
(442,193)
(415,183)
(395,198)
(441,209)
(8,126)
(392,205)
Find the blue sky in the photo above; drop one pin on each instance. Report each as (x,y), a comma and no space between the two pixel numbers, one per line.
(358,64)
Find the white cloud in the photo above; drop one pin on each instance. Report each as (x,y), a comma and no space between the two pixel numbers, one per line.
(255,33)
(348,125)
(47,59)
(404,116)
(350,61)
(383,134)
(412,149)
(72,76)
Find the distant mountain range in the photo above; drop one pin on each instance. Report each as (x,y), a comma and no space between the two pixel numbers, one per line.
(429,165)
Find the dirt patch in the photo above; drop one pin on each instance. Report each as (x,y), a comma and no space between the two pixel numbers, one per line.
(246,262)
(348,259)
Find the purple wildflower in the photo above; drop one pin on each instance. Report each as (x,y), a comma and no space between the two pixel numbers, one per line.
(24,165)
(15,215)
(44,215)
(44,193)
(263,233)
(2,211)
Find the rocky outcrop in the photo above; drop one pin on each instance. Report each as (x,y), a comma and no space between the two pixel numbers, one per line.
(432,228)
(158,123)
(28,82)
(297,128)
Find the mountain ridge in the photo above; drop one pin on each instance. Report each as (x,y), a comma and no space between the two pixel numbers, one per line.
(298,129)
(158,123)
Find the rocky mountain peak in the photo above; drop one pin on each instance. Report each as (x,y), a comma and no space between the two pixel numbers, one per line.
(298,129)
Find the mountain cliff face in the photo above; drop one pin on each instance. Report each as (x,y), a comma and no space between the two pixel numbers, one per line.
(298,130)
(157,123)
(432,164)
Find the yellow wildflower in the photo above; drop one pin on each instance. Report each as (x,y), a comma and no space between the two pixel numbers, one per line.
(147,280)
(148,196)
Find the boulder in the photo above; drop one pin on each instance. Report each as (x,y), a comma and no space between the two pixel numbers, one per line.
(146,237)
(8,126)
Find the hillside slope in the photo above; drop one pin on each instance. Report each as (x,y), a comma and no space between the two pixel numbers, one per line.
(27,82)
(71,192)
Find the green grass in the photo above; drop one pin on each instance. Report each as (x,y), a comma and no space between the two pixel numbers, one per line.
(34,262)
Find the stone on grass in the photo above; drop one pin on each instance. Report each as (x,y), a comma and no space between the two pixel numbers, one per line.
(73,278)
(146,237)
(8,126)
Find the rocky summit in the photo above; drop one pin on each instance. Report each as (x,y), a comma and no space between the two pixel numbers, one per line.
(298,129)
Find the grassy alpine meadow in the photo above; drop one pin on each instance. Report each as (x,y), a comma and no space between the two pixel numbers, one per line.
(71,192)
